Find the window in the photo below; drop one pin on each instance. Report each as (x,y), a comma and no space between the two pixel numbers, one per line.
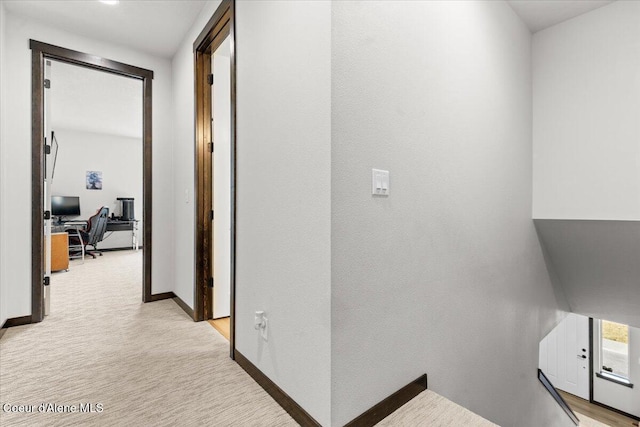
(614,349)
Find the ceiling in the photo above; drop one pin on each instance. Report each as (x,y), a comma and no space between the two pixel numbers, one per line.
(158,26)
(152,26)
(88,100)
(540,14)
(596,264)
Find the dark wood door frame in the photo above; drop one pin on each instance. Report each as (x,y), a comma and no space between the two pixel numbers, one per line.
(39,53)
(220,26)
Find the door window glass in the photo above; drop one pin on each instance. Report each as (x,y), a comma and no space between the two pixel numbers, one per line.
(615,349)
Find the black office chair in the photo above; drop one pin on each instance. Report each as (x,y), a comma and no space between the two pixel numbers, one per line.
(94,233)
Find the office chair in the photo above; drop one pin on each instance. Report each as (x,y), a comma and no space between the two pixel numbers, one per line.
(94,233)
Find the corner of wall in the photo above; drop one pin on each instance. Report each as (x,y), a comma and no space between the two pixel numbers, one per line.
(3,297)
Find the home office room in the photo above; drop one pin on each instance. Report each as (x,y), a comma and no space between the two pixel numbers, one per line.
(93,185)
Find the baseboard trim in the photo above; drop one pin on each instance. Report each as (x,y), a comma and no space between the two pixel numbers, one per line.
(301,416)
(626,414)
(389,405)
(164,295)
(124,248)
(183,305)
(18,321)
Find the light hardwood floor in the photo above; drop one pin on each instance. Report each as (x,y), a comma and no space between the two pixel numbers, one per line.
(596,412)
(222,325)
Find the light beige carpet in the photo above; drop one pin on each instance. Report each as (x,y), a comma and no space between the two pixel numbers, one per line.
(431,409)
(147,364)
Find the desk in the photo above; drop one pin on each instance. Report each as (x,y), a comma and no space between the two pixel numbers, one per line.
(123,225)
(73,228)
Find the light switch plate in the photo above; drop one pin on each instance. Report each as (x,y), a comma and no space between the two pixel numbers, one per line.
(379,182)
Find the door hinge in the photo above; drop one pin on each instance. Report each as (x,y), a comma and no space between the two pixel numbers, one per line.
(46,281)
(210,79)
(47,149)
(47,214)
(211,215)
(211,282)
(211,147)
(47,84)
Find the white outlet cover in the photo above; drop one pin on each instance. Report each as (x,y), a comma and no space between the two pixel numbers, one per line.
(379,182)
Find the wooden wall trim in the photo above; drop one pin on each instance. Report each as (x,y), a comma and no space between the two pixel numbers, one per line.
(91,61)
(37,187)
(221,25)
(184,306)
(39,52)
(389,405)
(283,399)
(161,296)
(15,321)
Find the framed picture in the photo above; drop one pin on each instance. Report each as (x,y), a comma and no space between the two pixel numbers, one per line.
(94,180)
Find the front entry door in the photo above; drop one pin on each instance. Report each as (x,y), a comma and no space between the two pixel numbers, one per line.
(564,355)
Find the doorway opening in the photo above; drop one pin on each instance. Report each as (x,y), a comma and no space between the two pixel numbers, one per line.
(93,178)
(44,145)
(215,197)
(589,363)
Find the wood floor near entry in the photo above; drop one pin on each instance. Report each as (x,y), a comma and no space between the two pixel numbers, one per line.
(222,325)
(596,412)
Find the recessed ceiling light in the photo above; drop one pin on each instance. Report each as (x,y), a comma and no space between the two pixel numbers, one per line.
(111,2)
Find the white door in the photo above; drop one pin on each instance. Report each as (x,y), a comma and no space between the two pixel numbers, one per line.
(48,176)
(221,130)
(564,355)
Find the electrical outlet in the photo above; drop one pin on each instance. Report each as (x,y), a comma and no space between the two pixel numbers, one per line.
(264,330)
(260,323)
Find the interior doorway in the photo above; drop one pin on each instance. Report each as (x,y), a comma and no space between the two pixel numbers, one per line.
(93,120)
(214,287)
(221,186)
(42,148)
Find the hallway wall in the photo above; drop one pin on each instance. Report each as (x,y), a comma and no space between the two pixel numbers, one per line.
(446,275)
(17,147)
(586,162)
(284,195)
(283,184)
(183,111)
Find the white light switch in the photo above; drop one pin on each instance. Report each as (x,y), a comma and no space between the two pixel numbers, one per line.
(379,182)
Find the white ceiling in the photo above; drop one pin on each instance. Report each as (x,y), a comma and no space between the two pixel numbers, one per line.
(151,26)
(94,101)
(540,14)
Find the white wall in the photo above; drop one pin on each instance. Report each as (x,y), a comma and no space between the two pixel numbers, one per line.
(615,395)
(119,159)
(284,194)
(446,275)
(16,161)
(586,121)
(598,264)
(3,282)
(184,157)
(283,186)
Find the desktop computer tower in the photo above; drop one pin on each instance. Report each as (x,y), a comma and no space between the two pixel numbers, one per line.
(126,208)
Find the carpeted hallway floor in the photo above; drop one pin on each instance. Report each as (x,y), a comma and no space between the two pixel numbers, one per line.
(146,364)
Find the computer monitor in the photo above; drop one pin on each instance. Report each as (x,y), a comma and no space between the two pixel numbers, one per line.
(65,205)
